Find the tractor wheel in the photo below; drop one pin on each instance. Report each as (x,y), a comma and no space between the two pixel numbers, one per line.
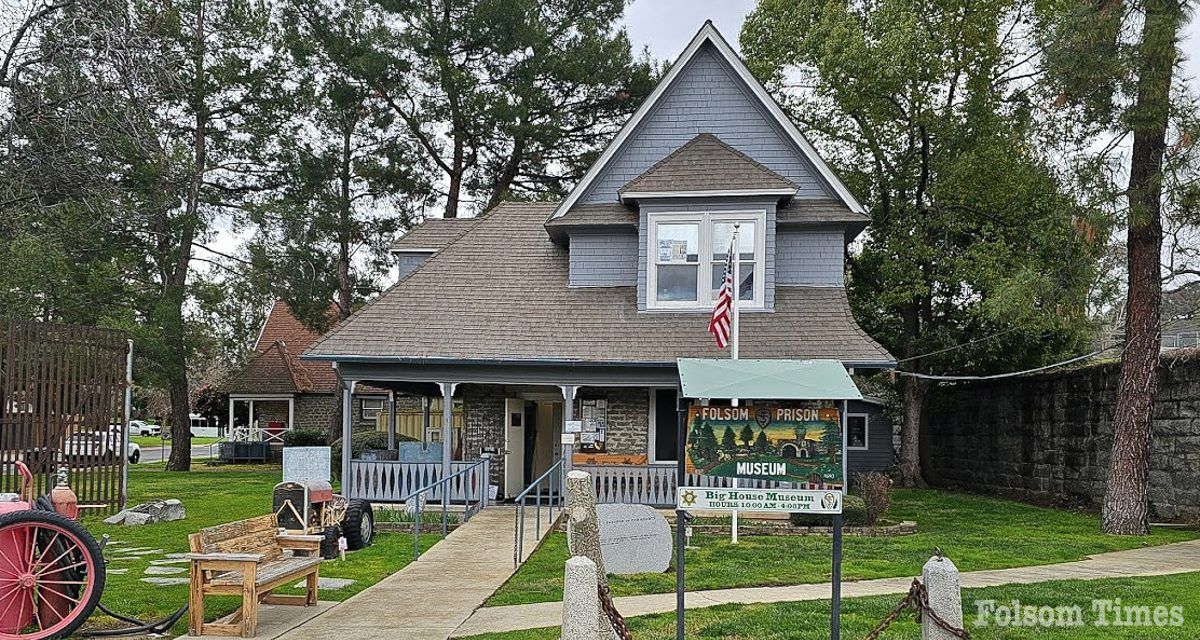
(329,542)
(52,576)
(358,525)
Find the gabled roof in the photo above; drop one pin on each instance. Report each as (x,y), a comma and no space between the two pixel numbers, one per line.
(709,34)
(518,308)
(283,326)
(277,367)
(274,370)
(432,235)
(705,166)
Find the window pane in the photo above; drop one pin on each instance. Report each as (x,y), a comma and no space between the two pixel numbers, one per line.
(677,282)
(856,431)
(745,270)
(723,233)
(678,242)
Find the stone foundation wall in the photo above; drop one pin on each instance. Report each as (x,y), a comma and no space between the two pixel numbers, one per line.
(484,407)
(628,417)
(1051,435)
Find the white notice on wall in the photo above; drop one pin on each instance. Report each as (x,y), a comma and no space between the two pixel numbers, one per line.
(573,426)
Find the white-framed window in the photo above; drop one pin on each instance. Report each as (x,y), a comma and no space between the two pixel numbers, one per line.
(687,253)
(371,407)
(858,431)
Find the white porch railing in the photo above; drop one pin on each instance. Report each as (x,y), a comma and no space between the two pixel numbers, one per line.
(655,484)
(390,481)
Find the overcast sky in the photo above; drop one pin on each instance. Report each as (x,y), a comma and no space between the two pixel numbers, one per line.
(666,26)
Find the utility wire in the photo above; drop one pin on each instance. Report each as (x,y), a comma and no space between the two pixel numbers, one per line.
(958,346)
(997,376)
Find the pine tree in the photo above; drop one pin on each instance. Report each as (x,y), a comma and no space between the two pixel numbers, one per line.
(747,436)
(728,440)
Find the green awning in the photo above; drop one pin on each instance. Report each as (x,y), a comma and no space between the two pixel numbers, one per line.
(766,379)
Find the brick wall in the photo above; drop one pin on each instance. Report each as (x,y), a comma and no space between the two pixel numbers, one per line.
(319,411)
(1052,435)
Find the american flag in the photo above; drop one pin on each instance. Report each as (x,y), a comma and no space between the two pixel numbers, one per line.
(722,315)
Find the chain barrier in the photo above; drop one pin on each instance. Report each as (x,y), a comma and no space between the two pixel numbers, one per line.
(614,616)
(916,601)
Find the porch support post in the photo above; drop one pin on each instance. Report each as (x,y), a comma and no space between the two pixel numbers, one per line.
(346,441)
(447,426)
(229,427)
(291,412)
(251,416)
(568,450)
(391,432)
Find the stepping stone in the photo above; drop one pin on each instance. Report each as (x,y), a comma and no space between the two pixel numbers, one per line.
(330,584)
(113,572)
(123,558)
(177,556)
(117,543)
(170,561)
(165,582)
(164,571)
(145,552)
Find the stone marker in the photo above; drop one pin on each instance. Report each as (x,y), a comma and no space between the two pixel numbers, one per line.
(945,598)
(328,584)
(581,605)
(154,570)
(634,538)
(306,464)
(583,531)
(166,582)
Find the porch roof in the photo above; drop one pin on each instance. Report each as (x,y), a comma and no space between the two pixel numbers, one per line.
(766,379)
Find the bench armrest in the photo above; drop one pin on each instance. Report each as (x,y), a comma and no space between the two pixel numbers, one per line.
(226,557)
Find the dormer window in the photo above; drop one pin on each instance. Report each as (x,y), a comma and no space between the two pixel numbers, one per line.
(687,253)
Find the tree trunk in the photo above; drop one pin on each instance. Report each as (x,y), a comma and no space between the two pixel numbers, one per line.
(1126,509)
(913,390)
(345,223)
(176,286)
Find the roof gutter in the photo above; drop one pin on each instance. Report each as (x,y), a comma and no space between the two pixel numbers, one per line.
(862,364)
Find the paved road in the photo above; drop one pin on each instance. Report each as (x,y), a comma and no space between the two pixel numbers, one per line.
(158,454)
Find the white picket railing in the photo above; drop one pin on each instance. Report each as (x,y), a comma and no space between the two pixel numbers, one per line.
(655,484)
(390,481)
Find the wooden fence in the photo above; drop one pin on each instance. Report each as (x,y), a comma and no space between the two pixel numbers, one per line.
(62,395)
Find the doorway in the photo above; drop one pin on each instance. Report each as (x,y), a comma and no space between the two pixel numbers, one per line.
(533,431)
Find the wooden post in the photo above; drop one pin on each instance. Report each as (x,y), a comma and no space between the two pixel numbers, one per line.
(391,418)
(346,441)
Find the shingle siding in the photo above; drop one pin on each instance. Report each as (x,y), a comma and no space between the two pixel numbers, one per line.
(879,454)
(809,257)
(608,259)
(407,262)
(710,206)
(707,97)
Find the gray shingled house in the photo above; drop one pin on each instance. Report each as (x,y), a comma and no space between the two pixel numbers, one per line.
(533,314)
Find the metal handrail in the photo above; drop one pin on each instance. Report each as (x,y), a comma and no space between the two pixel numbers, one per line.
(468,510)
(555,471)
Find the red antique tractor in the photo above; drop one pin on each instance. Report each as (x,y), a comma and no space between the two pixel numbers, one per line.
(51,568)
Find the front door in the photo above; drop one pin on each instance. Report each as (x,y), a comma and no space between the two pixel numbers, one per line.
(514,446)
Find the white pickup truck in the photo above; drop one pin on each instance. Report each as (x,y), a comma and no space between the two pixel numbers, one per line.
(99,443)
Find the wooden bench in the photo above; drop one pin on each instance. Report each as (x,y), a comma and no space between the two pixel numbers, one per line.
(247,558)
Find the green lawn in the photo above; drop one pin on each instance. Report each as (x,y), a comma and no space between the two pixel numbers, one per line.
(214,495)
(976,532)
(810,620)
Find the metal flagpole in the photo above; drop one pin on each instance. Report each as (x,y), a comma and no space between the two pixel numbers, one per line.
(737,293)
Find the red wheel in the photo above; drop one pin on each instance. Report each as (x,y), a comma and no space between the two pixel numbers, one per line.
(51,575)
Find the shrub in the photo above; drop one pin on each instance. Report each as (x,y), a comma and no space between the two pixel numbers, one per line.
(854,514)
(303,438)
(876,492)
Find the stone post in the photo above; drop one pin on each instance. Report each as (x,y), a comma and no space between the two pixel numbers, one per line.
(581,606)
(945,598)
(583,530)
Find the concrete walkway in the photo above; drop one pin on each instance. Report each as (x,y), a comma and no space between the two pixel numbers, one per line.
(1183,557)
(430,598)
